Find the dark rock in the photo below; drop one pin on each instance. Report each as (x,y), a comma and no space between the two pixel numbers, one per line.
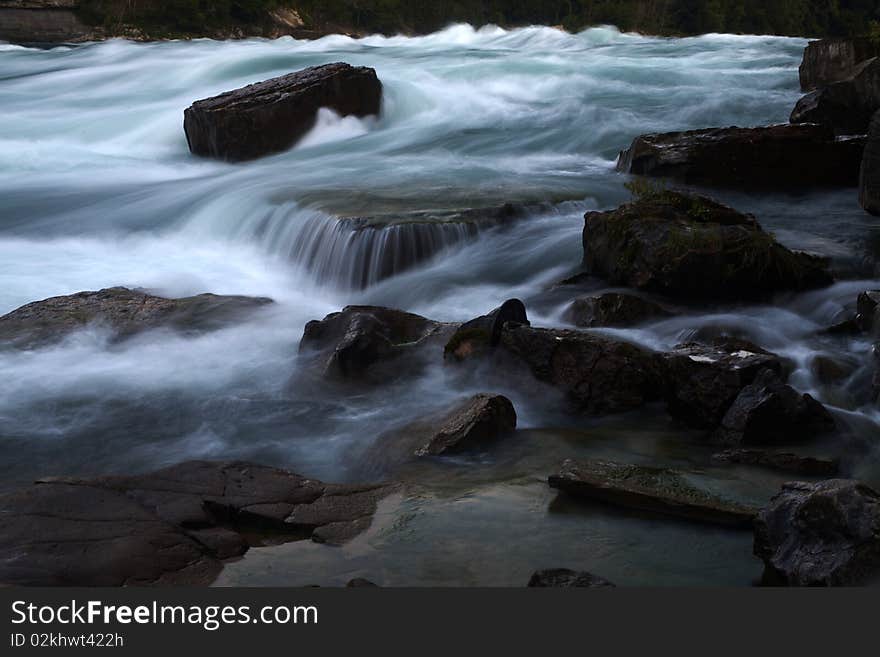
(613,309)
(868,312)
(779,156)
(598,374)
(125,312)
(563,578)
(832,60)
(689,246)
(822,534)
(831,369)
(648,489)
(43,21)
(477,421)
(869,178)
(173,526)
(479,336)
(847,106)
(361,583)
(271,116)
(769,411)
(703,381)
(809,466)
(365,341)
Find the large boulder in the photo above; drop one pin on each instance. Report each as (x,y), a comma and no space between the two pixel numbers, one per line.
(869,179)
(822,534)
(769,411)
(832,60)
(789,156)
(271,116)
(124,312)
(366,342)
(599,375)
(847,106)
(479,336)
(704,380)
(559,578)
(613,309)
(690,246)
(648,489)
(173,526)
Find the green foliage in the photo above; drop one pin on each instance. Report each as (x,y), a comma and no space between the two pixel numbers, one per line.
(787,17)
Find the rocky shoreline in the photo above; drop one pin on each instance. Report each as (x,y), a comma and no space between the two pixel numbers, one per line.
(670,250)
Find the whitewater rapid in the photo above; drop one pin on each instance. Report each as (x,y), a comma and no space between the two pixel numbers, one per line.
(97,189)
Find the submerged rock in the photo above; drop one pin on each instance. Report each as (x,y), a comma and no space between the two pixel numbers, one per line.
(478,336)
(271,116)
(822,534)
(810,466)
(125,312)
(564,578)
(846,106)
(769,411)
(598,374)
(648,489)
(703,381)
(170,527)
(367,341)
(798,156)
(689,246)
(613,309)
(827,61)
(869,179)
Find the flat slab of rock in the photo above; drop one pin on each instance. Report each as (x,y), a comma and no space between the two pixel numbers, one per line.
(779,156)
(869,179)
(649,489)
(845,107)
(689,246)
(366,342)
(174,526)
(599,375)
(810,466)
(271,116)
(704,380)
(822,534)
(614,309)
(125,312)
(768,411)
(558,578)
(827,61)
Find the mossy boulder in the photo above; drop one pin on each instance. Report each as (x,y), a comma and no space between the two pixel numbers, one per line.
(691,247)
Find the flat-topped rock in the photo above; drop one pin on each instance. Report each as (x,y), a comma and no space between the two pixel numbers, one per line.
(827,61)
(846,107)
(822,534)
(170,527)
(689,246)
(124,312)
(779,156)
(648,489)
(271,116)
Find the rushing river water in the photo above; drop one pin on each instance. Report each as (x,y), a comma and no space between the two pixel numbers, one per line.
(97,189)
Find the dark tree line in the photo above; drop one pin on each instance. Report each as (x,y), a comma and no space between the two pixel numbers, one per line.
(786,17)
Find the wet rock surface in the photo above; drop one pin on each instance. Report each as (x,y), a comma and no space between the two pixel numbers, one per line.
(869,179)
(648,489)
(170,527)
(822,534)
(827,61)
(769,411)
(796,156)
(847,106)
(271,116)
(362,342)
(704,380)
(689,246)
(563,578)
(477,337)
(614,309)
(124,312)
(810,466)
